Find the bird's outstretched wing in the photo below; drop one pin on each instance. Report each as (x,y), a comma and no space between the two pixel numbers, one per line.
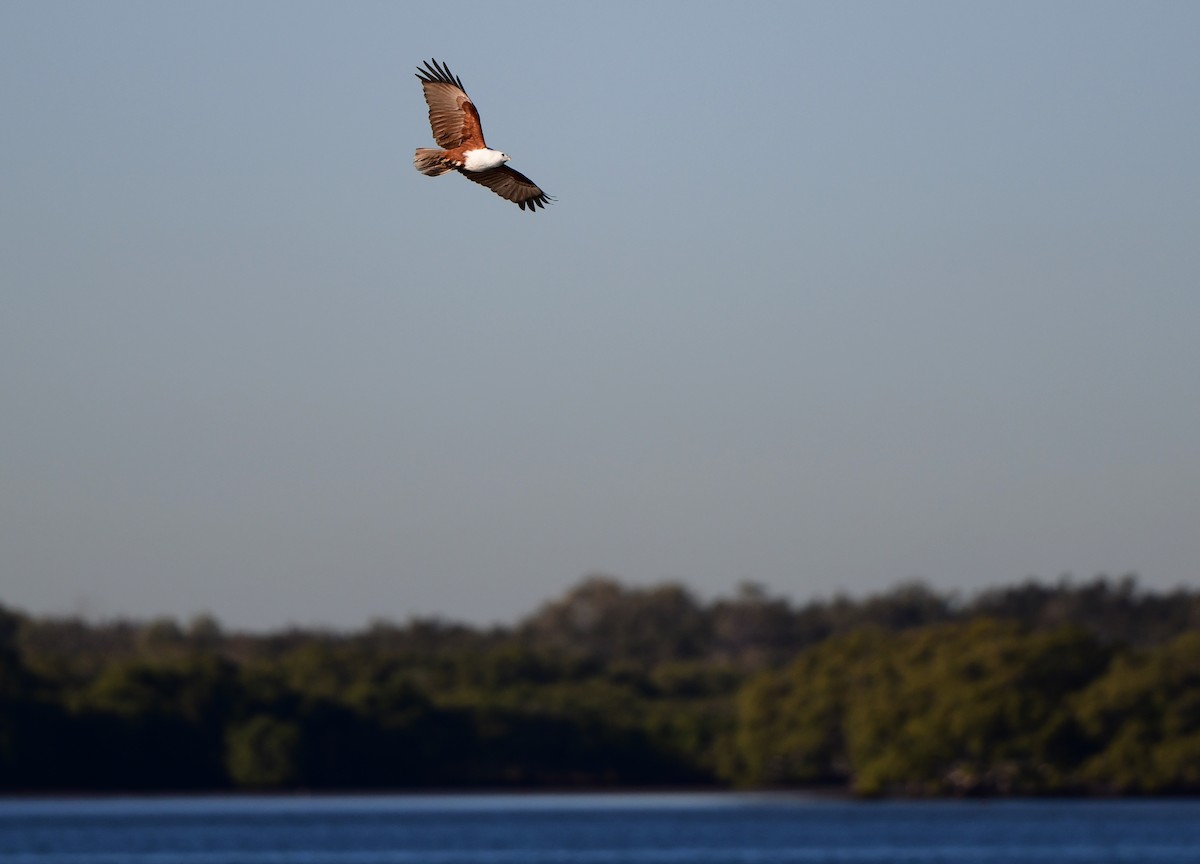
(512,185)
(452,115)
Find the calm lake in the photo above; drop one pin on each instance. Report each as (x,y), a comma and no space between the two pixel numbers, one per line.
(592,829)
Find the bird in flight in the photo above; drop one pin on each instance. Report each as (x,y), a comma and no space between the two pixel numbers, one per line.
(455,123)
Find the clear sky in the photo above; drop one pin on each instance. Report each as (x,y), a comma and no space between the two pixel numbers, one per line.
(834,295)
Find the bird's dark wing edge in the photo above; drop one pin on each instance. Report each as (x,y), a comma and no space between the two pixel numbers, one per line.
(511,185)
(440,74)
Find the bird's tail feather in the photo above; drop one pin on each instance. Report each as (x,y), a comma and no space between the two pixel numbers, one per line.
(430,162)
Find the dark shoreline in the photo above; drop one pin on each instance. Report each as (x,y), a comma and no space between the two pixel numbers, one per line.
(809,794)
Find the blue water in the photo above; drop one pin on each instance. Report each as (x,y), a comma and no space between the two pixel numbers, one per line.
(593,829)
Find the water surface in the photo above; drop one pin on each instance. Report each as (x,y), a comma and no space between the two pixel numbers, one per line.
(593,829)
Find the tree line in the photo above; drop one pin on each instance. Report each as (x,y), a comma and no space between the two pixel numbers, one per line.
(1034,688)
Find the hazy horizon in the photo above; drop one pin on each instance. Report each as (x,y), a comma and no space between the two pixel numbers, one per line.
(957,596)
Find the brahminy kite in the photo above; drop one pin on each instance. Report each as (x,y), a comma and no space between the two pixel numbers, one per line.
(456,129)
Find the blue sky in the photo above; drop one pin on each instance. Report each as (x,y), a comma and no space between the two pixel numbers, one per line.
(834,295)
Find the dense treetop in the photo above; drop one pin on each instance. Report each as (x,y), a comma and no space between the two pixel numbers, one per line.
(1034,688)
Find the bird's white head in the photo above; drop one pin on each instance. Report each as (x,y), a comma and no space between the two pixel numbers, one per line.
(483,159)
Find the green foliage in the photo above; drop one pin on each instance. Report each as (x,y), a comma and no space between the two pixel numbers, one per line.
(1030,689)
(985,707)
(792,724)
(262,752)
(969,708)
(1144,720)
